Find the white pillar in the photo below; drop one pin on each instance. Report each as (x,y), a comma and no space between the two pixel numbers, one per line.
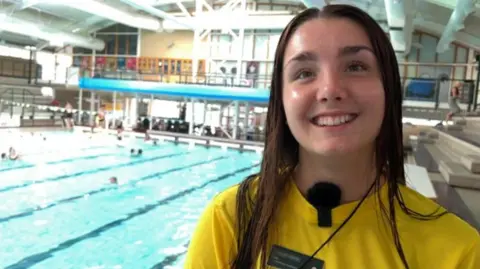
(114,112)
(196,41)
(220,115)
(133,111)
(204,111)
(150,107)
(192,117)
(80,103)
(92,70)
(241,40)
(247,116)
(126,111)
(92,106)
(235,120)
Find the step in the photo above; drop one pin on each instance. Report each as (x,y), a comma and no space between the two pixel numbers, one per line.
(432,135)
(454,127)
(457,175)
(471,162)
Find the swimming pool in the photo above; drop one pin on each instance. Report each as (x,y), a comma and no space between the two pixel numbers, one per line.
(58,210)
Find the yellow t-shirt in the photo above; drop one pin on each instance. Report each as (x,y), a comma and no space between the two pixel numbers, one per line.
(365,242)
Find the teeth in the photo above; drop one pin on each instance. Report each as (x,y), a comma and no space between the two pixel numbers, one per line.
(333,121)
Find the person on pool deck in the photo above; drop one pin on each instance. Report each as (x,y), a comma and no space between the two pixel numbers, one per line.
(101,117)
(68,116)
(334,120)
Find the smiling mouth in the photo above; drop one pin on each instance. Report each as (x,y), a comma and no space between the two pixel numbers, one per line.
(328,121)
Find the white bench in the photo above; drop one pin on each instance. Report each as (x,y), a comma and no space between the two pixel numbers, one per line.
(418,179)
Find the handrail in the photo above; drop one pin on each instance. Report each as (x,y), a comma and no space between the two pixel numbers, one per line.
(434,90)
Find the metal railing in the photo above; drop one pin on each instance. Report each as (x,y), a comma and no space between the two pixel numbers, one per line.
(27,101)
(435,91)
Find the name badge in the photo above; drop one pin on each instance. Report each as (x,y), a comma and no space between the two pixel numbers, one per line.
(283,258)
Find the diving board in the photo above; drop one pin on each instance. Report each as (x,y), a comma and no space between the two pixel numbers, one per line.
(184,90)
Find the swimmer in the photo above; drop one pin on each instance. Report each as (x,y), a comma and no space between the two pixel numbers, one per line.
(12,154)
(113,180)
(4,156)
(139,152)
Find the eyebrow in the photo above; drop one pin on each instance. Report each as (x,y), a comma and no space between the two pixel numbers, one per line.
(345,51)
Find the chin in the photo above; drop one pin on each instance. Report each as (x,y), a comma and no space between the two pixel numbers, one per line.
(337,148)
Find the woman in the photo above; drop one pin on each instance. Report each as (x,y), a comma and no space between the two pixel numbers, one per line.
(453,101)
(68,116)
(334,115)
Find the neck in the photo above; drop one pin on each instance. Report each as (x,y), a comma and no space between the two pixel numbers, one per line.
(353,173)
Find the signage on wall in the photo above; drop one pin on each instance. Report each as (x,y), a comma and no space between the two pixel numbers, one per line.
(131,63)
(100,62)
(121,63)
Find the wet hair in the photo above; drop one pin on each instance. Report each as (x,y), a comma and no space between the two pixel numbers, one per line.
(140,151)
(119,138)
(132,151)
(4,155)
(155,142)
(114,180)
(256,206)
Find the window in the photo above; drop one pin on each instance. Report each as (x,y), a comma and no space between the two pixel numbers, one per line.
(132,44)
(78,50)
(122,44)
(109,44)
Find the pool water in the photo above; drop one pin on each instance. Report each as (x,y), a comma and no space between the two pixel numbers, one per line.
(59,211)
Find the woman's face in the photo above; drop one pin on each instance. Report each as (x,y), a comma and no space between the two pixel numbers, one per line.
(332,89)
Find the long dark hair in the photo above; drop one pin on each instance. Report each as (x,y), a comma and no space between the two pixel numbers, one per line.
(257,201)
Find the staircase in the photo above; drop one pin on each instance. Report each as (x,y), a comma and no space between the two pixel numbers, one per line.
(452,155)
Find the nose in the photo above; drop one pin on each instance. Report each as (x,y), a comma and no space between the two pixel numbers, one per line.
(330,87)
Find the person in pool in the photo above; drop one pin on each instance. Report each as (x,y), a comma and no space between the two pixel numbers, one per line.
(113,180)
(139,152)
(334,119)
(12,154)
(4,156)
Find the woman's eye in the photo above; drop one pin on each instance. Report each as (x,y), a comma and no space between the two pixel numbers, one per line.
(356,67)
(304,74)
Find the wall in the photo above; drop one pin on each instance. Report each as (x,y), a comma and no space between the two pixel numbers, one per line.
(423,62)
(54,67)
(260,45)
(177,45)
(258,48)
